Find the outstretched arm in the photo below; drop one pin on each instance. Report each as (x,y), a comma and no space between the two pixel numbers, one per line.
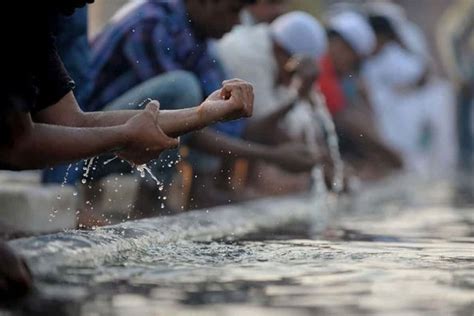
(234,100)
(36,145)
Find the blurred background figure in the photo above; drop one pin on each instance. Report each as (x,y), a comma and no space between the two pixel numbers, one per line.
(413,106)
(278,59)
(263,11)
(456,44)
(351,42)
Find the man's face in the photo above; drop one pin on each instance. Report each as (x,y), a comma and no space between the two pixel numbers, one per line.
(344,57)
(217,17)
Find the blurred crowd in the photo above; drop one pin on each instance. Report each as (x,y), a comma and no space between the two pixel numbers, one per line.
(350,97)
(365,65)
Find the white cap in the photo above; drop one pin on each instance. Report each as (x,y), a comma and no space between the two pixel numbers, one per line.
(300,34)
(355,30)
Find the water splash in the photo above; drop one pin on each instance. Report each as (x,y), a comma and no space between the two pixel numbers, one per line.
(143,169)
(110,160)
(332,140)
(66,175)
(87,169)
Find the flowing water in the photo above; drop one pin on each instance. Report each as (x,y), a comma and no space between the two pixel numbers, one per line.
(332,141)
(401,247)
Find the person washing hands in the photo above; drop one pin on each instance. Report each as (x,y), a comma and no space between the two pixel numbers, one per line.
(41,123)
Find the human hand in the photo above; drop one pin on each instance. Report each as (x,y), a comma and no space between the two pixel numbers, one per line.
(233,101)
(304,72)
(146,140)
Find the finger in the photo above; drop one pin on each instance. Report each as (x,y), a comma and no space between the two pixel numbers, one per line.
(226,92)
(153,107)
(173,143)
(168,142)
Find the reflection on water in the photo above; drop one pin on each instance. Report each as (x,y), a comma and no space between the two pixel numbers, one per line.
(410,256)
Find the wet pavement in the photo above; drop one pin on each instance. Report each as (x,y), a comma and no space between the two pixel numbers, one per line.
(412,254)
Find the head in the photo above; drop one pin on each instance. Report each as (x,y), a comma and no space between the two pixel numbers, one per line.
(384,30)
(296,35)
(214,18)
(268,10)
(351,40)
(344,57)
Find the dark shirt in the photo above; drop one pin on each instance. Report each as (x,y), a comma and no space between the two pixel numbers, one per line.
(144,40)
(32,74)
(73,48)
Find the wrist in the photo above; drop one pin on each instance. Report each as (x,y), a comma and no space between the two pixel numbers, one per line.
(125,136)
(203,113)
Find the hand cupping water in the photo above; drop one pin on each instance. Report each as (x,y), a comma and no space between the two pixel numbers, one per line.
(145,139)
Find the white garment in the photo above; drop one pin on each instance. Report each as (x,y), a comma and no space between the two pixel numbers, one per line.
(389,76)
(403,111)
(247,53)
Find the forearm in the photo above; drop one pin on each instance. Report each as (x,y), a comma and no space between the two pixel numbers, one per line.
(224,146)
(260,129)
(47,145)
(174,123)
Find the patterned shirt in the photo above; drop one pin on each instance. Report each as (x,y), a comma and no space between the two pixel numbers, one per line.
(146,39)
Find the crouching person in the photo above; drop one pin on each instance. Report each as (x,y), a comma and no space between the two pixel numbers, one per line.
(41,123)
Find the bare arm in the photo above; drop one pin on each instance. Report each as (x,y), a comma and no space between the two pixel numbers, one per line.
(292,157)
(68,113)
(41,145)
(234,100)
(37,145)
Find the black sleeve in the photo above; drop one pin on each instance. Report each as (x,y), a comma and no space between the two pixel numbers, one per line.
(33,76)
(54,81)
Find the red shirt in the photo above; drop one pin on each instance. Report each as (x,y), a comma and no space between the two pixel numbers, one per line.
(330,86)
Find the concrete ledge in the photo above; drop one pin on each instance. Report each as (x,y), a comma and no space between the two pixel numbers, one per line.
(31,177)
(37,209)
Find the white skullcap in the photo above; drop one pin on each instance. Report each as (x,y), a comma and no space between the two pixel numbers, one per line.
(300,34)
(355,30)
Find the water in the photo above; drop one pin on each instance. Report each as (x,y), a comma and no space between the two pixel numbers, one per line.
(144,169)
(332,141)
(400,248)
(87,170)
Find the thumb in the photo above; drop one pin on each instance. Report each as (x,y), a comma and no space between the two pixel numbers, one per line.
(153,107)
(172,142)
(226,92)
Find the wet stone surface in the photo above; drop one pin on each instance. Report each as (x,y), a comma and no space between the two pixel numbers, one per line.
(410,258)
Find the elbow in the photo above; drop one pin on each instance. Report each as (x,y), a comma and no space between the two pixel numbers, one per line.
(16,159)
(18,155)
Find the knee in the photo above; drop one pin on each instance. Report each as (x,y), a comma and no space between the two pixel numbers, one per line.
(188,87)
